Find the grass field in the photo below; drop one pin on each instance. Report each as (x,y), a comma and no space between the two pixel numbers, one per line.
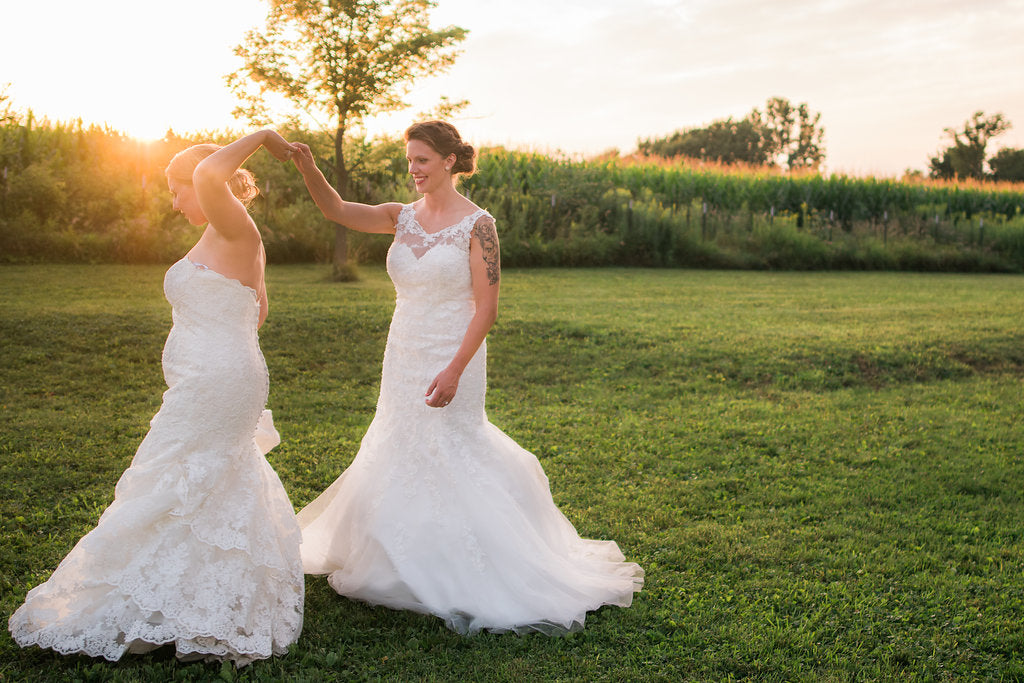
(821,473)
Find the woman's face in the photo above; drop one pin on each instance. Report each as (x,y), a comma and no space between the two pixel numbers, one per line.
(427,167)
(185,201)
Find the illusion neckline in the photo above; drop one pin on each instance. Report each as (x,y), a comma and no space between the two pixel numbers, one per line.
(205,268)
(416,220)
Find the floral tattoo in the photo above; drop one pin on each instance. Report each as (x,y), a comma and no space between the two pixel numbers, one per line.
(484,232)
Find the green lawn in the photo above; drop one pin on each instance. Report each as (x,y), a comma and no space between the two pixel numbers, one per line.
(821,473)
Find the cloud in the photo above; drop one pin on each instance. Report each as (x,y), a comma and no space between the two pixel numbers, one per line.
(886,76)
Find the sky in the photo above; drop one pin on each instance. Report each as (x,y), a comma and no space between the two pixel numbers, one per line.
(569,76)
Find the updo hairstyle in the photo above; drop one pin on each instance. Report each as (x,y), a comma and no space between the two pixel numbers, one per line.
(242,184)
(444,139)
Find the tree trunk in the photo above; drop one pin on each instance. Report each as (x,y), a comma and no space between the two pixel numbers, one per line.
(340,259)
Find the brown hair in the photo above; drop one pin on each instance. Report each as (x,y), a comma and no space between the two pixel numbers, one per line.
(444,139)
(242,184)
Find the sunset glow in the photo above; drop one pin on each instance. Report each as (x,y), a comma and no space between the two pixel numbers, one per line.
(579,77)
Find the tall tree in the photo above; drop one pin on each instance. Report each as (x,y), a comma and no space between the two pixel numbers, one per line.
(792,135)
(341,58)
(965,157)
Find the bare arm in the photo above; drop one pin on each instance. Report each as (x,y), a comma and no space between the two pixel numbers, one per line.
(362,217)
(222,209)
(485,266)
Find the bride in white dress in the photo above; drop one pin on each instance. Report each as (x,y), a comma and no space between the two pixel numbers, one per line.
(200,547)
(441,512)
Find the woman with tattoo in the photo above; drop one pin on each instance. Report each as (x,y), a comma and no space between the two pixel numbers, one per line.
(441,512)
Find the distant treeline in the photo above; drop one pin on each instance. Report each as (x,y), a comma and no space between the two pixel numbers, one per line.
(77,193)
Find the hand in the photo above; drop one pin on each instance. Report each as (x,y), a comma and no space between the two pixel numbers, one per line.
(302,157)
(278,146)
(442,390)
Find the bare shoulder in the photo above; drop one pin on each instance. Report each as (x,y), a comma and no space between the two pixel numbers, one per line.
(470,206)
(380,218)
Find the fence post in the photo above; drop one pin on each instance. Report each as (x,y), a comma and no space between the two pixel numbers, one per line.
(553,218)
(703,220)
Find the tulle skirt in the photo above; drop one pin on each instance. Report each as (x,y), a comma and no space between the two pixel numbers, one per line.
(443,513)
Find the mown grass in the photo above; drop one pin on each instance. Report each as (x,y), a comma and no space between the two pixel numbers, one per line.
(821,473)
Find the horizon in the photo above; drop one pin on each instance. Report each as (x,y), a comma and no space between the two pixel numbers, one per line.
(879,75)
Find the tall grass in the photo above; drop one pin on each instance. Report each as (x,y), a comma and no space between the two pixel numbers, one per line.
(655,213)
(78,193)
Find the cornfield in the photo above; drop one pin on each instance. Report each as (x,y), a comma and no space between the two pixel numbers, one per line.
(656,213)
(74,193)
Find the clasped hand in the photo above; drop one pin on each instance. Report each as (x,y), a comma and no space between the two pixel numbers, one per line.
(302,157)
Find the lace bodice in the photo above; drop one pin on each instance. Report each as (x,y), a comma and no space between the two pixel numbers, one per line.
(214,336)
(434,304)
(432,265)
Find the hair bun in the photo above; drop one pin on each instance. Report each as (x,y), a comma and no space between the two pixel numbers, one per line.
(465,159)
(243,186)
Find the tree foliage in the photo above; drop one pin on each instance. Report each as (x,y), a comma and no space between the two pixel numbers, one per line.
(782,135)
(965,157)
(725,140)
(1008,164)
(7,113)
(343,59)
(792,135)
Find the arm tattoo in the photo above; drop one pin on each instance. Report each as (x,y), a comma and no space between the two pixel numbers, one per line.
(484,232)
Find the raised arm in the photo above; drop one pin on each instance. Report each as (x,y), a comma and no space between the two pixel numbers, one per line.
(485,267)
(362,217)
(226,214)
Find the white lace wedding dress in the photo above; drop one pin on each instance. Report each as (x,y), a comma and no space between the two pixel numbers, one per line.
(200,547)
(441,512)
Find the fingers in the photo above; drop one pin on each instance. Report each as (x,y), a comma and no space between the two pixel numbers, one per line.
(432,395)
(437,397)
(301,154)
